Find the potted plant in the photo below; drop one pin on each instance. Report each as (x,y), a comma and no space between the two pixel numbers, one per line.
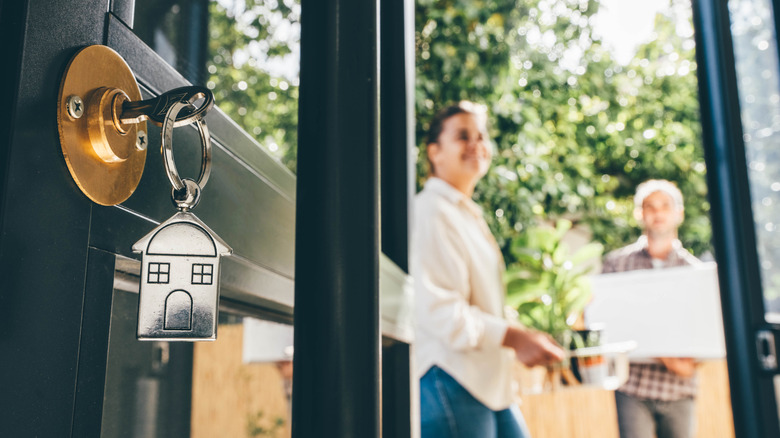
(548,284)
(590,366)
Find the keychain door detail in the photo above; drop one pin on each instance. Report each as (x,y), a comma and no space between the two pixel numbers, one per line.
(179,294)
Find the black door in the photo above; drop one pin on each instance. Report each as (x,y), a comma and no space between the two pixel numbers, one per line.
(68,278)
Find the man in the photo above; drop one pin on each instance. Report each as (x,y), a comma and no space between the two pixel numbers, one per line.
(658,398)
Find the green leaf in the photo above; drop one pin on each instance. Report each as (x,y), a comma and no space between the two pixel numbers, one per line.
(562,227)
(587,252)
(521,292)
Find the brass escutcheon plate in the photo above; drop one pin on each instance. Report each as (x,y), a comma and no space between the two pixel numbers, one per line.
(101,154)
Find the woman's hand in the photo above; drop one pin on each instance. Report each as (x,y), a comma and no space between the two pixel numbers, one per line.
(532,347)
(682,366)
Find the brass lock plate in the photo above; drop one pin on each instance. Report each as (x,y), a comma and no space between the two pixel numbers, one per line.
(105,156)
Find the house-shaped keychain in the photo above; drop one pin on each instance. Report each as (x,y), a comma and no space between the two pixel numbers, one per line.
(179,294)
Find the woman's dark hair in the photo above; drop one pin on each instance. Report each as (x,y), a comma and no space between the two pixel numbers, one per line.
(437,123)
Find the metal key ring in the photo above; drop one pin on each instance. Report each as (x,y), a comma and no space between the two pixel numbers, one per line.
(167,148)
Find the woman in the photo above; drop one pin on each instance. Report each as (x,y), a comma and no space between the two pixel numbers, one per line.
(463,343)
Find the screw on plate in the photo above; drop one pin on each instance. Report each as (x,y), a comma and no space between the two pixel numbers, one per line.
(140,140)
(75,106)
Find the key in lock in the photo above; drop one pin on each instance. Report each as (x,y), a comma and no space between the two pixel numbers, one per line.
(102,129)
(199,101)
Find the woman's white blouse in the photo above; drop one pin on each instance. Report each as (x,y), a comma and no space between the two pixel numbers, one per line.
(459,293)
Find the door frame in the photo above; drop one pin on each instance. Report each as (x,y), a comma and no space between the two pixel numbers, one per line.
(753,400)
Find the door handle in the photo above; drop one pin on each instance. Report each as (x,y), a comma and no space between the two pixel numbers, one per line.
(767,353)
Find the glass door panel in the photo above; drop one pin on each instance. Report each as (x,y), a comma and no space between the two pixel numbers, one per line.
(758,84)
(237,386)
(246,51)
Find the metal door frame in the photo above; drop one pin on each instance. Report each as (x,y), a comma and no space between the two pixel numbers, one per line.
(753,401)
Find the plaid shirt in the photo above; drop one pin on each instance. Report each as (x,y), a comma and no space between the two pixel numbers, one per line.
(652,380)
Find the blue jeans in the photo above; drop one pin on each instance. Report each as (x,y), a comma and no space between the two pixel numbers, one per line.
(447,410)
(638,418)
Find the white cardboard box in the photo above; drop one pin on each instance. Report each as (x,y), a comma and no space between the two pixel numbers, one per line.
(266,341)
(673,312)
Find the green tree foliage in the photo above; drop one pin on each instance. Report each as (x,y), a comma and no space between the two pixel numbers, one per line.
(575,132)
(246,37)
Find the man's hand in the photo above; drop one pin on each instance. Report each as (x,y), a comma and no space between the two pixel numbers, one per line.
(532,347)
(682,366)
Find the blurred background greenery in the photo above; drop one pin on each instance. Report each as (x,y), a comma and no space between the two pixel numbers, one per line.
(253,69)
(575,130)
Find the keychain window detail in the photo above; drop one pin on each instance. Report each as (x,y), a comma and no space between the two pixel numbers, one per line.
(202,273)
(159,273)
